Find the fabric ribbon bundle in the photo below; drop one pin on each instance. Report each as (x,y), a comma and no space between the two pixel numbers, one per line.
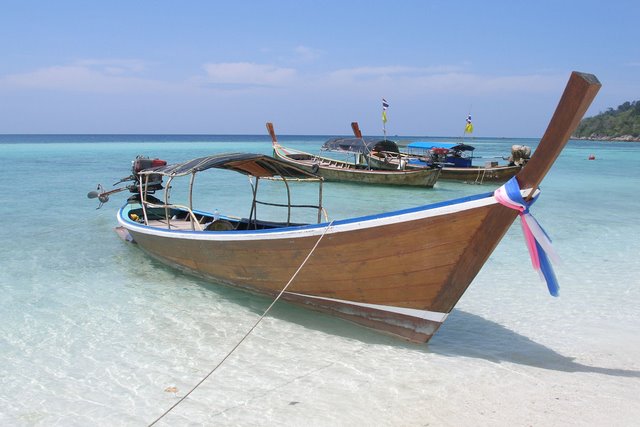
(536,238)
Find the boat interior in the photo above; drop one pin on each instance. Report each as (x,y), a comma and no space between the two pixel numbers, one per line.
(182,219)
(324,161)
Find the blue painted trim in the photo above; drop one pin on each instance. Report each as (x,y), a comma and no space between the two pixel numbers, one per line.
(324,224)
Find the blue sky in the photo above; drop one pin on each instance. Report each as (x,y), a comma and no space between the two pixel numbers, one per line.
(311,67)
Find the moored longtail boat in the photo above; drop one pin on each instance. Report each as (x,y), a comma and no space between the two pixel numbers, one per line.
(453,158)
(399,272)
(337,170)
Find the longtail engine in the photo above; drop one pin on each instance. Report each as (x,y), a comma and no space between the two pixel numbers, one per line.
(148,183)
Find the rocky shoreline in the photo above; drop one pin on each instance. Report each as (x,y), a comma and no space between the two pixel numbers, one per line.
(608,138)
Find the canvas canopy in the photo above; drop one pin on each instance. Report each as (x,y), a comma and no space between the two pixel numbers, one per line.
(258,165)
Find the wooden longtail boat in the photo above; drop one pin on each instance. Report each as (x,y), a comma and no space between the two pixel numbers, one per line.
(399,272)
(455,165)
(471,174)
(456,162)
(336,170)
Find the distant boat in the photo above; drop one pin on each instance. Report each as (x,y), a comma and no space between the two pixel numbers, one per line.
(454,158)
(337,170)
(399,272)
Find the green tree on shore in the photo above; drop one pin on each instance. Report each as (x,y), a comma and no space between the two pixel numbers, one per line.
(623,121)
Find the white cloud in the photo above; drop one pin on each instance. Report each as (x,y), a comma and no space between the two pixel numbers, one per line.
(415,92)
(92,75)
(307,54)
(114,66)
(388,71)
(248,73)
(437,79)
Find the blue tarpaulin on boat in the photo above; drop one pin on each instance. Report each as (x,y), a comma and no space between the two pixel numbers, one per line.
(428,144)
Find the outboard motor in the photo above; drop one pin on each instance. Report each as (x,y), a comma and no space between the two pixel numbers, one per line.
(153,183)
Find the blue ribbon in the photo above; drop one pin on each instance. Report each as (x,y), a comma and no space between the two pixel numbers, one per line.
(538,242)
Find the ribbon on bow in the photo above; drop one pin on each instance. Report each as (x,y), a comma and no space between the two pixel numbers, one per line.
(537,240)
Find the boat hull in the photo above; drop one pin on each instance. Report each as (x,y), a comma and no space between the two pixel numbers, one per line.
(477,174)
(335,170)
(350,274)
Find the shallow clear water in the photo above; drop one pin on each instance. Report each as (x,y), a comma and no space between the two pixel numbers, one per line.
(94,331)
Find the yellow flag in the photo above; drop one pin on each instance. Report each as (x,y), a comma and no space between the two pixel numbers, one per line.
(469,126)
(385,105)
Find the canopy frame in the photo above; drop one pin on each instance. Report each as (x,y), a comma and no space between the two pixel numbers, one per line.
(255,166)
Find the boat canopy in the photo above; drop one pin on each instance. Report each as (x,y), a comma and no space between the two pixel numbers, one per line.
(360,145)
(258,165)
(427,145)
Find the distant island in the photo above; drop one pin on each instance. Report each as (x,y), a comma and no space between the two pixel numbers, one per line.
(621,124)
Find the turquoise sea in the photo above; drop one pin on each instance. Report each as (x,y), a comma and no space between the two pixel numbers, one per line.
(94,332)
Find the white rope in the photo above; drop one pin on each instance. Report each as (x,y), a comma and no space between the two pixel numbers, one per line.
(250,330)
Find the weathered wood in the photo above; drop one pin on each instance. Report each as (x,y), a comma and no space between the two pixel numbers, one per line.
(356,129)
(359,266)
(578,95)
(336,170)
(477,174)
(272,132)
(401,264)
(480,174)
(471,174)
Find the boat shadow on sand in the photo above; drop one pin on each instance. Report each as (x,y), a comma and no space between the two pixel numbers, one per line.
(469,335)
(463,335)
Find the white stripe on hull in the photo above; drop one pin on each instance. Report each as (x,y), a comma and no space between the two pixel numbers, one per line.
(433,316)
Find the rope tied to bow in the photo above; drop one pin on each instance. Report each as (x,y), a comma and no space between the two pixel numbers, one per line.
(537,240)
